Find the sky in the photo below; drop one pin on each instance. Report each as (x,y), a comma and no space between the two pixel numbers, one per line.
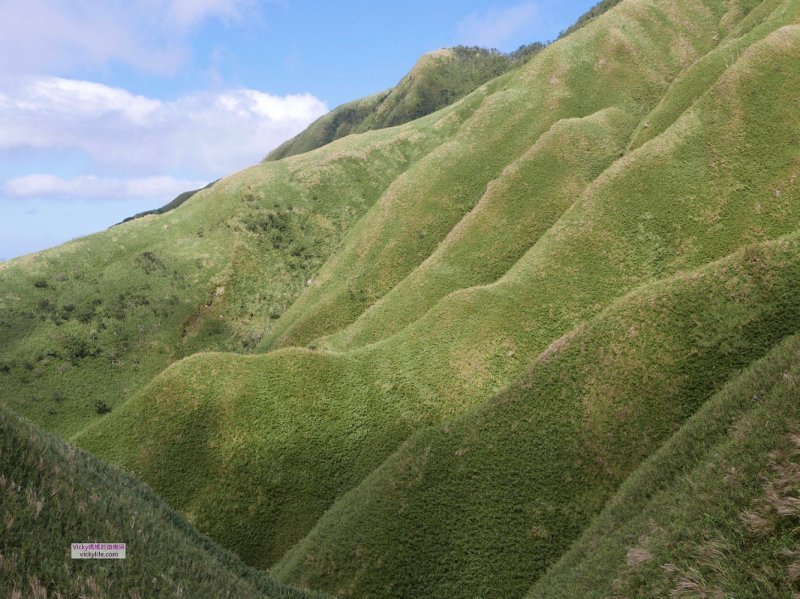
(112,108)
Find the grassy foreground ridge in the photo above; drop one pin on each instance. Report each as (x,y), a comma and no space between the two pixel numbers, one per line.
(541,342)
(55,495)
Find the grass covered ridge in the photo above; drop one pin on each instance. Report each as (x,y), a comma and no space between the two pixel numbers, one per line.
(298,428)
(437,80)
(517,305)
(55,495)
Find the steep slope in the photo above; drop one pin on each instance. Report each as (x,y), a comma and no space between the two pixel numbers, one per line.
(478,330)
(437,80)
(54,495)
(713,512)
(482,504)
(276,439)
(85,325)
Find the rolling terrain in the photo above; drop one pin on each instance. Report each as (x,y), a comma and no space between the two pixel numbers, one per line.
(542,342)
(55,495)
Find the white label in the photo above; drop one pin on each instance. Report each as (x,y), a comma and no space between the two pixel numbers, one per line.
(98,550)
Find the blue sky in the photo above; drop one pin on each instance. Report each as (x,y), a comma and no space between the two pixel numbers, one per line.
(110,108)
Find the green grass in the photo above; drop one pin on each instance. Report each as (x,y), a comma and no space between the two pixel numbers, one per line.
(55,495)
(484,503)
(502,227)
(298,428)
(437,80)
(707,513)
(423,361)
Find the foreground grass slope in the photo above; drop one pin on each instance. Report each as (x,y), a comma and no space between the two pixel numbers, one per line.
(254,449)
(54,495)
(484,503)
(713,512)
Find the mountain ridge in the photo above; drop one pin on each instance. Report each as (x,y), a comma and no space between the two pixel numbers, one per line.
(448,358)
(438,79)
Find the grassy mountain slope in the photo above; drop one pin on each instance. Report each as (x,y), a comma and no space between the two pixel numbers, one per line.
(713,512)
(437,80)
(452,265)
(296,428)
(469,333)
(54,495)
(482,504)
(83,326)
(594,71)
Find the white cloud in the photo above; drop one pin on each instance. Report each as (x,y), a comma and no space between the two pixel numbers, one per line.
(94,188)
(206,134)
(150,35)
(186,14)
(497,26)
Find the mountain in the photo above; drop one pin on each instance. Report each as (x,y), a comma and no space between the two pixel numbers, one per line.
(177,201)
(437,80)
(541,342)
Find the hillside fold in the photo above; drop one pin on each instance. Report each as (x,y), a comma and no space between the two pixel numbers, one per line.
(479,353)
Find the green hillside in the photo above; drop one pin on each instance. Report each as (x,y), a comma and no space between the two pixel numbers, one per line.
(539,342)
(437,80)
(489,499)
(84,326)
(181,198)
(54,495)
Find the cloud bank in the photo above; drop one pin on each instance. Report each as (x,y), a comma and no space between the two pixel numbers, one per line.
(150,35)
(42,186)
(202,134)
